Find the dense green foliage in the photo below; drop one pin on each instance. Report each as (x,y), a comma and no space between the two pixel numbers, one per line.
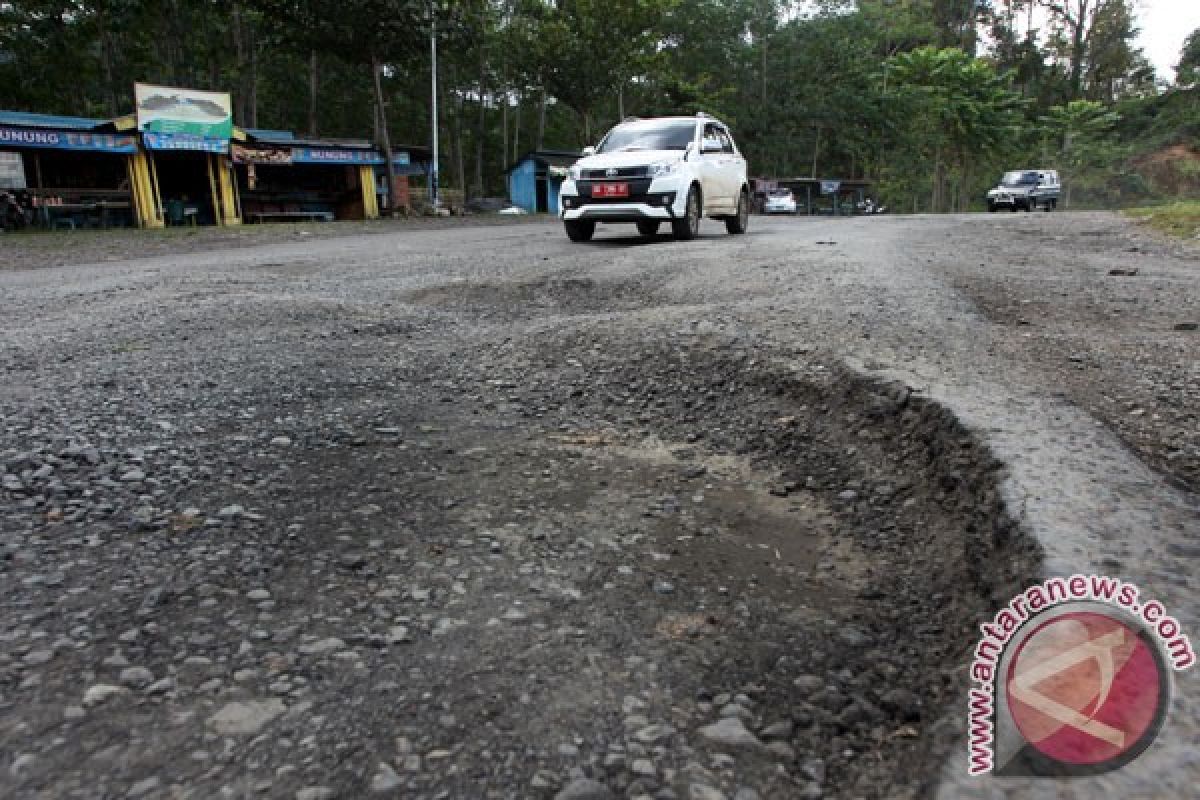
(882,89)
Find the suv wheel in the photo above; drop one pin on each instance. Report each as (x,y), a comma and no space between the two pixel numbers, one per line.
(689,226)
(579,230)
(741,220)
(991,207)
(647,228)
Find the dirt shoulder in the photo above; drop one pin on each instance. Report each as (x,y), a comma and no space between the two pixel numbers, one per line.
(38,249)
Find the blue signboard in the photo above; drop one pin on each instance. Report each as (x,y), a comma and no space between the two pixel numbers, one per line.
(328,155)
(830,187)
(67,140)
(184,141)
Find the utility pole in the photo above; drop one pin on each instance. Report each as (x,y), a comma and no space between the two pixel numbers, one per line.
(433,174)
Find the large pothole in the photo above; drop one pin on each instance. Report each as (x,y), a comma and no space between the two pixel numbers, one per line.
(519,565)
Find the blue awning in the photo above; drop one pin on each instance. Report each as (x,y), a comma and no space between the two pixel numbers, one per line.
(50,139)
(25,119)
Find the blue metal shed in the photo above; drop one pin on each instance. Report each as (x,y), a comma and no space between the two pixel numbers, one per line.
(535,178)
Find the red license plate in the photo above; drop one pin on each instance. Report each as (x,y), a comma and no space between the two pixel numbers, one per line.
(610,190)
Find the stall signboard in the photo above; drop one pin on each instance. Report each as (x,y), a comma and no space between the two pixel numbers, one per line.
(260,154)
(12,171)
(327,155)
(183,141)
(189,112)
(830,187)
(67,140)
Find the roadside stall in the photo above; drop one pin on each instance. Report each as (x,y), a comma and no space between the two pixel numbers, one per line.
(281,177)
(180,161)
(186,135)
(69,172)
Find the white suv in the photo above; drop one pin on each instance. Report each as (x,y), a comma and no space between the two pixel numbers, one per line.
(650,171)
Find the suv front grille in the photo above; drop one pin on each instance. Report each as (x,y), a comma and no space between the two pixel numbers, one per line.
(623,172)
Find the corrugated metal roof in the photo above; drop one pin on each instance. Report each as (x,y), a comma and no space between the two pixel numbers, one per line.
(268,135)
(28,120)
(551,158)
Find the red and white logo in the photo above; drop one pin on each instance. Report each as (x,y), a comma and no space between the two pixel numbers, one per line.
(1072,678)
(1086,689)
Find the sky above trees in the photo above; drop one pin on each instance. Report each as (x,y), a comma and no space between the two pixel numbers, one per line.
(1165,24)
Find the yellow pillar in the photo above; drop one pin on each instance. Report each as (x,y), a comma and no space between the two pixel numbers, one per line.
(214,195)
(366,181)
(143,188)
(231,213)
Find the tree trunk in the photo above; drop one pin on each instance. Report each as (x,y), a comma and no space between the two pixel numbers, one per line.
(480,126)
(385,142)
(460,174)
(252,80)
(312,93)
(816,152)
(541,125)
(516,141)
(964,190)
(763,99)
(106,63)
(239,55)
(1078,47)
(935,195)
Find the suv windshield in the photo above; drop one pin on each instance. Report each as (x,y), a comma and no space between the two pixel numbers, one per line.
(1019,179)
(674,135)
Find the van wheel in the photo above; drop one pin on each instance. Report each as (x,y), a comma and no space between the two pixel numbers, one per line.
(740,221)
(647,228)
(579,230)
(688,226)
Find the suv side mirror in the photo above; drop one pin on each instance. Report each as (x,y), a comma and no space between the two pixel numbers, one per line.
(711,146)
(589,151)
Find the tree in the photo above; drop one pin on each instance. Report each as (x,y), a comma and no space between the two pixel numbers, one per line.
(1187,72)
(962,112)
(370,33)
(585,51)
(1085,148)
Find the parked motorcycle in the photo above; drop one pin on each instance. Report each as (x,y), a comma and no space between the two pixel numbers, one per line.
(869,207)
(13,216)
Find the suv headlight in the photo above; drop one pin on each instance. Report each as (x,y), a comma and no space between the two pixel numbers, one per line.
(663,169)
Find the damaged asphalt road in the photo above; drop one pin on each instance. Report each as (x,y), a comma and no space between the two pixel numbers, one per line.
(474,512)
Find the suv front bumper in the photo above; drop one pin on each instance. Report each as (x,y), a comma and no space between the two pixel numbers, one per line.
(1009,199)
(649,200)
